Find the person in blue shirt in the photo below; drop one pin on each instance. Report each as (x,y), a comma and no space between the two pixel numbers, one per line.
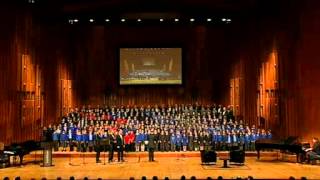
(56,138)
(229,140)
(235,139)
(70,141)
(224,141)
(78,140)
(63,140)
(144,141)
(178,141)
(184,142)
(219,141)
(247,141)
(173,142)
(263,134)
(252,141)
(269,134)
(90,141)
(241,141)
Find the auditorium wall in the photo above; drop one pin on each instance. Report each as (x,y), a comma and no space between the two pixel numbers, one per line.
(267,70)
(35,83)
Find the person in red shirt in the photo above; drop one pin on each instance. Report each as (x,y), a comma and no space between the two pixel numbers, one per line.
(132,138)
(127,141)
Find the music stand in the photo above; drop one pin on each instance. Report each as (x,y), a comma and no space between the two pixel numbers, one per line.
(104,143)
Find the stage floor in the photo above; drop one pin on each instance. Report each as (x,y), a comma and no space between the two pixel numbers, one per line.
(267,167)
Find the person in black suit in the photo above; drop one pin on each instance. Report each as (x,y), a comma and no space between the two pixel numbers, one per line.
(97,145)
(113,142)
(151,145)
(120,145)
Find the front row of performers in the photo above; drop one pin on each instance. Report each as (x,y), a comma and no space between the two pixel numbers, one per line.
(115,141)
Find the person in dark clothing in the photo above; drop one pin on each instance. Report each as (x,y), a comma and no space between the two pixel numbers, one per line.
(151,145)
(113,142)
(120,145)
(97,146)
(314,151)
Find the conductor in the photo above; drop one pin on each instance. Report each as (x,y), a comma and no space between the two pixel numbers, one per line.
(151,145)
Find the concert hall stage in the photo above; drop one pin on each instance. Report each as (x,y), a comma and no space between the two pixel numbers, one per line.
(168,164)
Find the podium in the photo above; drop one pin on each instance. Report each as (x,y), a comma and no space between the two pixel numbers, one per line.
(47,154)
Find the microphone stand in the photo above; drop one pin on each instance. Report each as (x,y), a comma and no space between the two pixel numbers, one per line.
(104,155)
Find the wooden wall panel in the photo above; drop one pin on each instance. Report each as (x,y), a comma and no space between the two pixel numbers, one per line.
(47,69)
(29,81)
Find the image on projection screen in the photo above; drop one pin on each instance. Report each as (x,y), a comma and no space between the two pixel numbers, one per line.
(150,66)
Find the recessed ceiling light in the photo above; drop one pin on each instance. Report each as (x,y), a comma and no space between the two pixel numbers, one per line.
(192,20)
(209,19)
(76,20)
(107,20)
(91,20)
(223,19)
(139,20)
(228,20)
(161,20)
(123,20)
(176,19)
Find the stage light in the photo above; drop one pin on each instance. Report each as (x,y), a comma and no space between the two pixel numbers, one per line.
(76,20)
(161,20)
(91,20)
(107,20)
(176,19)
(223,19)
(209,19)
(123,20)
(139,20)
(192,20)
(228,20)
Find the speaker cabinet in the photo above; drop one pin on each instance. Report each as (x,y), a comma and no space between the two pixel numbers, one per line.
(208,157)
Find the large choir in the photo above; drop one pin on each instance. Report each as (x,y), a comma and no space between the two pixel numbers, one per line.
(175,128)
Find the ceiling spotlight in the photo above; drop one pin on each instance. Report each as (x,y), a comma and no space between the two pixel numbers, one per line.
(107,20)
(209,19)
(76,20)
(228,20)
(123,20)
(223,19)
(91,20)
(192,20)
(161,20)
(139,20)
(176,19)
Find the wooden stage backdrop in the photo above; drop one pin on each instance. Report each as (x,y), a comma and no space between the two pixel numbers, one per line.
(266,66)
